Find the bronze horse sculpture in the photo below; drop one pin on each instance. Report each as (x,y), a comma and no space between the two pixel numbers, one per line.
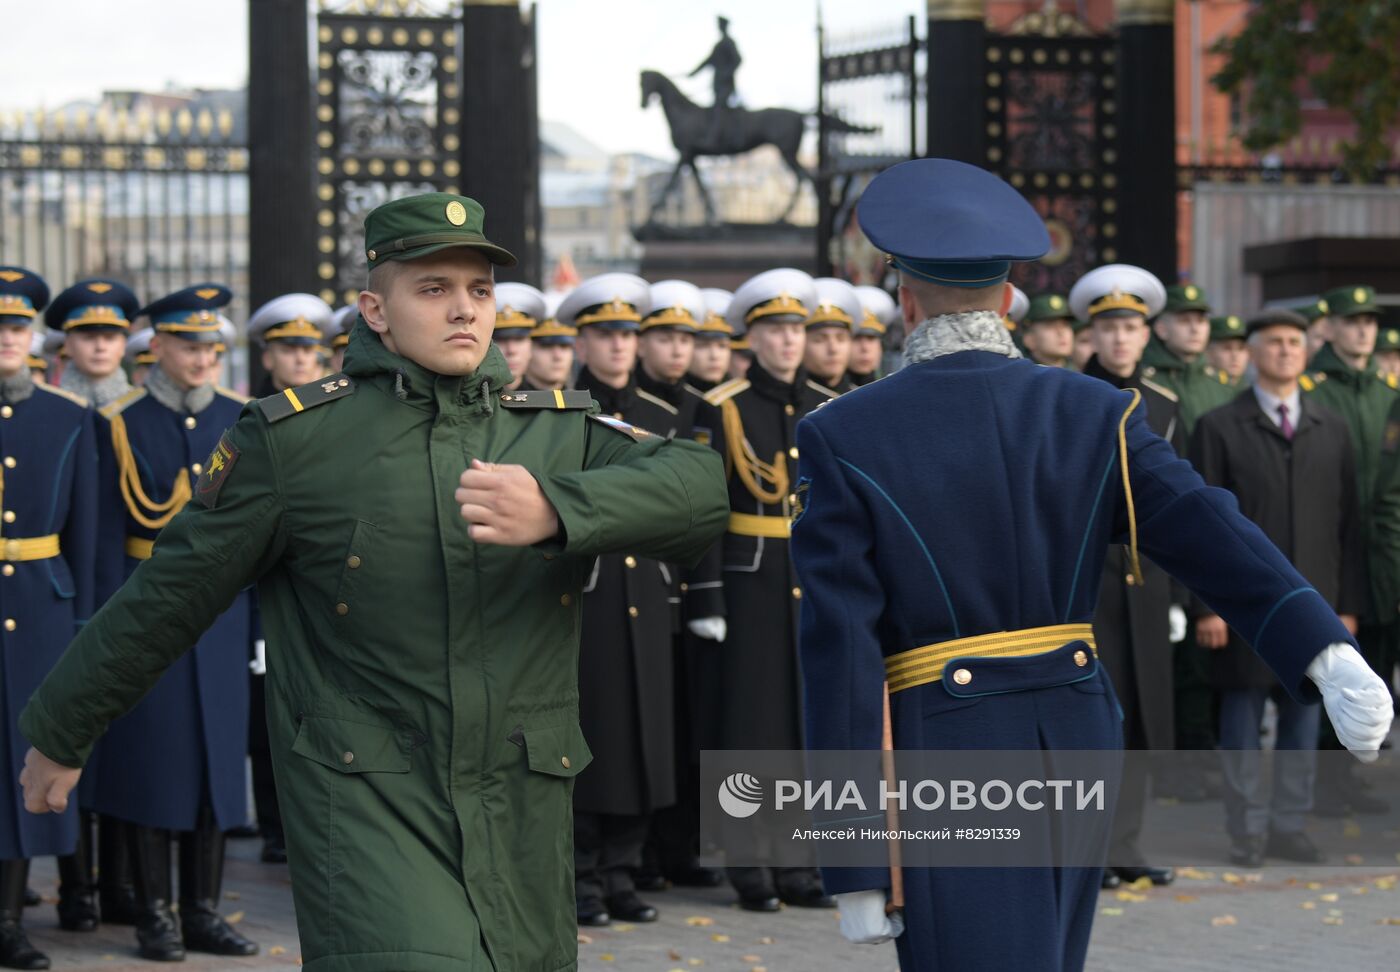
(695,134)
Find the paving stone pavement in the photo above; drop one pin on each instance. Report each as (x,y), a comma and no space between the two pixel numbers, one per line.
(1279,919)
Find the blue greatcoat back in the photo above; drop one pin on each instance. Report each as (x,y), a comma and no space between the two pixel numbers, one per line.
(49,467)
(973,494)
(187,740)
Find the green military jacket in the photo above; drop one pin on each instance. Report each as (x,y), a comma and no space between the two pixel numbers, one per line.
(1366,400)
(422,689)
(1383,526)
(1199,387)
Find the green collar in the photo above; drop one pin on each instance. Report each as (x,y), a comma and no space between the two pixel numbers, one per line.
(1327,360)
(366,357)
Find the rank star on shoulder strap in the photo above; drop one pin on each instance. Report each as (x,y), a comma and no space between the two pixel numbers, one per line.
(294,400)
(550,398)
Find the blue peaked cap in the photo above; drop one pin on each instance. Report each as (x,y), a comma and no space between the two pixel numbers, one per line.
(951,223)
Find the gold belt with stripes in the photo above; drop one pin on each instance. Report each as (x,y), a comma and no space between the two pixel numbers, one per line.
(749,525)
(919,666)
(139,547)
(29,548)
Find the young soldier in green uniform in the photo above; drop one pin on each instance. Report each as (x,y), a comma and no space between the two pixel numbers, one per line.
(1227,352)
(1342,378)
(1047,331)
(1175,358)
(423,697)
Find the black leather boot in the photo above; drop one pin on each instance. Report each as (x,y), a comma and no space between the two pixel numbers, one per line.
(77,896)
(15,950)
(201,881)
(116,893)
(157,932)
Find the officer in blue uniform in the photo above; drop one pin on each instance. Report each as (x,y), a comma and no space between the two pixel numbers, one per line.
(923,535)
(48,527)
(182,749)
(96,315)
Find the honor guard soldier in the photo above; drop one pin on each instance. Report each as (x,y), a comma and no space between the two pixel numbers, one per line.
(290,330)
(1131,627)
(1047,331)
(38,363)
(176,761)
(758,686)
(709,363)
(423,690)
(1341,377)
(551,357)
(139,356)
(827,353)
(1175,358)
(895,505)
(48,534)
(878,313)
(626,665)
(95,317)
(665,353)
(337,335)
(519,307)
(1227,352)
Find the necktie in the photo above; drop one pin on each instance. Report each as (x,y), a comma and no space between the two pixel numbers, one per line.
(1285,425)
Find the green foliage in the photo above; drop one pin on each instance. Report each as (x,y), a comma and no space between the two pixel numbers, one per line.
(1350,57)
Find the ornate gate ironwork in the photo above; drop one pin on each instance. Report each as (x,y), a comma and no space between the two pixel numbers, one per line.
(151,189)
(388,110)
(1052,132)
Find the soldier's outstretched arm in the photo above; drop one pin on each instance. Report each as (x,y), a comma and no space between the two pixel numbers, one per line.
(1198,534)
(660,498)
(223,540)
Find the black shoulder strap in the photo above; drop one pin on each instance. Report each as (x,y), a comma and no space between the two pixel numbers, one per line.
(288,403)
(547,398)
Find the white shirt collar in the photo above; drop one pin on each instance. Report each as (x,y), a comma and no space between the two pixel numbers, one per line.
(1270,402)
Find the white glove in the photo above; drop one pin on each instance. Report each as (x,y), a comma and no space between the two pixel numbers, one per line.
(258,666)
(711,629)
(863,918)
(1176,624)
(1356,698)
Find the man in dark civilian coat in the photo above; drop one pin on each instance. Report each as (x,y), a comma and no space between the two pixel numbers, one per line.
(1130,622)
(1289,461)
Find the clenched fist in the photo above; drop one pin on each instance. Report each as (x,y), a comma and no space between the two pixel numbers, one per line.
(505,505)
(46,783)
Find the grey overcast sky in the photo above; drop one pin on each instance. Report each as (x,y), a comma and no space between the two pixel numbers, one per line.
(591,52)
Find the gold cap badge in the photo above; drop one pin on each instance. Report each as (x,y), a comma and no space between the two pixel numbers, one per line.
(99,288)
(206,293)
(1359,295)
(456,213)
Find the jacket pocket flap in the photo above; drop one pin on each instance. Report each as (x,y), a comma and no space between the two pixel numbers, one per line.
(350,747)
(557,750)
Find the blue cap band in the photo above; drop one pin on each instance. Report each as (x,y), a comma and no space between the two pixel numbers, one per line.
(970,275)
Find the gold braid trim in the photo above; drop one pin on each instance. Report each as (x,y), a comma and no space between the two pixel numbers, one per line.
(137,502)
(1127,486)
(740,456)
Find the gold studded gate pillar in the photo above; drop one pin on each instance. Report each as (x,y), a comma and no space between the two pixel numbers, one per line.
(500,138)
(1147,115)
(956,117)
(281,235)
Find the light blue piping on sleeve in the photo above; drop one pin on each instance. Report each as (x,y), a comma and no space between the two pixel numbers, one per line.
(920,540)
(1084,545)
